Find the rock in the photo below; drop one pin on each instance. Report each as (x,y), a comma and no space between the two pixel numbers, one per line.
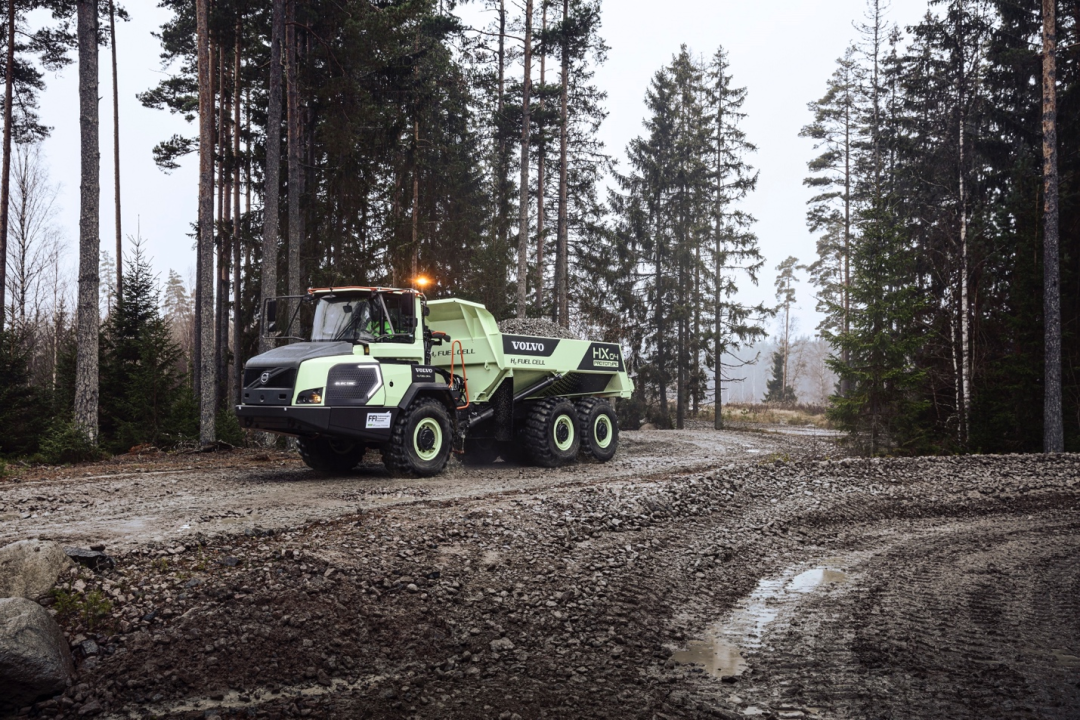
(229,561)
(29,568)
(89,647)
(501,645)
(100,547)
(91,708)
(647,426)
(93,559)
(35,660)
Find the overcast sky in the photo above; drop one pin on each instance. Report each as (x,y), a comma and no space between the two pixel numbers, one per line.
(783,51)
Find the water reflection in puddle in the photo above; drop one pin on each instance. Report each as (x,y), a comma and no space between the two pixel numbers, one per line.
(720,652)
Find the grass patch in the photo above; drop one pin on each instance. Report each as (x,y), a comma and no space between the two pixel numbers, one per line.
(89,608)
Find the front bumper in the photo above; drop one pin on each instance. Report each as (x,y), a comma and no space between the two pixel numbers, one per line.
(357,423)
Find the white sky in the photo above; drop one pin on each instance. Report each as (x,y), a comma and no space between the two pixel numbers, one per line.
(783,51)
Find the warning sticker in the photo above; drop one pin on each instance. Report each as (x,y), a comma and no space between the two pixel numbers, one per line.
(378,421)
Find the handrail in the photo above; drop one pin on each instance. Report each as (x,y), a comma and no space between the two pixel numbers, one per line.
(464,374)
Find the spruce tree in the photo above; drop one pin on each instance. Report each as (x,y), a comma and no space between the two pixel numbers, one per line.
(143,393)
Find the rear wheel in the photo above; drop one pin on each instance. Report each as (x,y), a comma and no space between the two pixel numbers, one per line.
(599,428)
(420,441)
(551,432)
(331,455)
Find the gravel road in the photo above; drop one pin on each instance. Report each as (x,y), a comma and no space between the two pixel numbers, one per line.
(701,575)
(134,499)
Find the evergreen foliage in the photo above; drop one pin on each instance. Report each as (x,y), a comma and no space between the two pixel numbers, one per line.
(142,398)
(941,349)
(663,271)
(776,391)
(24,407)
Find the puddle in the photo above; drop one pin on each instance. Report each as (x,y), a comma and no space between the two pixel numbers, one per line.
(720,652)
(719,658)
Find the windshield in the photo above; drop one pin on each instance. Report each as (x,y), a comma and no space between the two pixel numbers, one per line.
(342,319)
(357,318)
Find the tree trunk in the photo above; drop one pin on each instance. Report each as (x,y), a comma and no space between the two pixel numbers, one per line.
(1053,430)
(523,203)
(272,177)
(5,180)
(502,225)
(561,260)
(845,353)
(661,338)
(86,332)
(540,162)
(718,261)
(294,149)
(965,311)
(224,246)
(237,365)
(205,257)
(415,202)
(116,154)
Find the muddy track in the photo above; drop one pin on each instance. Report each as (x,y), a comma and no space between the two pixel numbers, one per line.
(165,498)
(846,589)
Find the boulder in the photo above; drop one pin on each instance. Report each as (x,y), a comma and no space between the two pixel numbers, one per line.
(35,661)
(93,559)
(29,568)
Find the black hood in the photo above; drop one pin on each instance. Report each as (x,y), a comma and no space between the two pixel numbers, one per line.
(290,356)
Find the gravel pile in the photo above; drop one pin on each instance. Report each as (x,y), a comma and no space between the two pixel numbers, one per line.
(536,327)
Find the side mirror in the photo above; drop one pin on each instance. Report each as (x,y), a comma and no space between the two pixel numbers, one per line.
(271,316)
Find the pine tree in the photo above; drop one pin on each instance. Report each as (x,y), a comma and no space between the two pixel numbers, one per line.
(86,386)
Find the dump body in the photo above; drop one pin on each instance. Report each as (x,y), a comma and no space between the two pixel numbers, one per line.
(587,368)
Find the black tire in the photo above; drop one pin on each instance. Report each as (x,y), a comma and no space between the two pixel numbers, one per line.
(551,434)
(599,428)
(480,452)
(331,455)
(420,441)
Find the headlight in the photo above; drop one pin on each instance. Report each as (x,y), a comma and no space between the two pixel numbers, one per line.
(310,397)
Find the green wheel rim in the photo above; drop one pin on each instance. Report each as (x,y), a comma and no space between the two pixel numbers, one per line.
(563,432)
(427,439)
(603,431)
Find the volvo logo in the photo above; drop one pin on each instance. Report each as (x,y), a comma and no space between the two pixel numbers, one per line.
(265,377)
(528,346)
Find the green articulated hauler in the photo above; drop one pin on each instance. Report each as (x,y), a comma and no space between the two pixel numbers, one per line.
(385,368)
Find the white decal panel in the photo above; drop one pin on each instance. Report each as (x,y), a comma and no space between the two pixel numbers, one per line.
(378,421)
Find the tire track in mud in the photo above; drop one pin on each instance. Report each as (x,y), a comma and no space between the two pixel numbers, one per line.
(963,619)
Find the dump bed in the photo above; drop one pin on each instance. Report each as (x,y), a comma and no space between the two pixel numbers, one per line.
(587,368)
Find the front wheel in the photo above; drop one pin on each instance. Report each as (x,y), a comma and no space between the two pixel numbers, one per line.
(599,428)
(331,455)
(420,441)
(551,433)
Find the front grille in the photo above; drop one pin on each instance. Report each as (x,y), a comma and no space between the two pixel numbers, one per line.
(277,390)
(349,384)
(276,378)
